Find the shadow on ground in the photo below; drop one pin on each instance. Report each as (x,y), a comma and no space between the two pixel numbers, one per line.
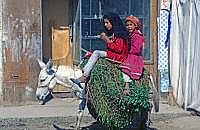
(97,126)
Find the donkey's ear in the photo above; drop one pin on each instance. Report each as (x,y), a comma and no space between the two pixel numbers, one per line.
(49,64)
(41,63)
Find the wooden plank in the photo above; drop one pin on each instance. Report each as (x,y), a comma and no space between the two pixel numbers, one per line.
(61,51)
(61,46)
(152,66)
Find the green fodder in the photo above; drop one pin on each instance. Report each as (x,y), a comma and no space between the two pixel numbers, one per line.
(105,95)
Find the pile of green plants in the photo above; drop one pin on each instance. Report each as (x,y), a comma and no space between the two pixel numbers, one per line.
(107,102)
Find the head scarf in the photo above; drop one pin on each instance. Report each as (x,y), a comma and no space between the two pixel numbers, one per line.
(135,21)
(118,27)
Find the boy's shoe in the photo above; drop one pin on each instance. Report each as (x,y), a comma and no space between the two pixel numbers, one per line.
(77,81)
(77,87)
(79,94)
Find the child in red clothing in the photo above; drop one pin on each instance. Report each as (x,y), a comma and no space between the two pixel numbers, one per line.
(132,67)
(117,46)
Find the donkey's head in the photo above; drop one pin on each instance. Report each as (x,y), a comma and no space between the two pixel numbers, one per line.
(45,78)
(46,73)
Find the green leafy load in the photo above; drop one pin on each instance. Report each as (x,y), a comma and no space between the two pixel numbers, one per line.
(107,103)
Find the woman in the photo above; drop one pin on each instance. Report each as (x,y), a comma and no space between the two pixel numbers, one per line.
(115,37)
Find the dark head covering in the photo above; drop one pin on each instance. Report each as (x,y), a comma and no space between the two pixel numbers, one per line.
(118,27)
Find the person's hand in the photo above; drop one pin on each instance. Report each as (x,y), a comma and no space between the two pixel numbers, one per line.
(104,37)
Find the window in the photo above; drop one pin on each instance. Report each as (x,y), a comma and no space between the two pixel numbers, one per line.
(91,26)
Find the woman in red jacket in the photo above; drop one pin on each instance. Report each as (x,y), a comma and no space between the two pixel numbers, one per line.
(132,67)
(115,36)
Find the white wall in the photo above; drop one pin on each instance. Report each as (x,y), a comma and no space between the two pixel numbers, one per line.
(1,69)
(184,53)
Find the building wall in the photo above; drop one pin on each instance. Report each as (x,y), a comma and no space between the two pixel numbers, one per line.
(26,36)
(21,47)
(1,69)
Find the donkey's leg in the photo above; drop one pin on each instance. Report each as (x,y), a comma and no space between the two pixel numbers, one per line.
(82,105)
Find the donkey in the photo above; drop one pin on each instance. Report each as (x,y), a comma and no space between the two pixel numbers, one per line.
(49,76)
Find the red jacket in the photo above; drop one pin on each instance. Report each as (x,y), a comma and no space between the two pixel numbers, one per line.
(133,64)
(117,49)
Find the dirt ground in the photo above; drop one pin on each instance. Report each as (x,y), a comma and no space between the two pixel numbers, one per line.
(159,122)
(60,114)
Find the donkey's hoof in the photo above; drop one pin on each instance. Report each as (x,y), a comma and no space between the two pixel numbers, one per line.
(77,81)
(41,102)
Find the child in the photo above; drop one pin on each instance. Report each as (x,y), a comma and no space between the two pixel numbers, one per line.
(117,46)
(132,67)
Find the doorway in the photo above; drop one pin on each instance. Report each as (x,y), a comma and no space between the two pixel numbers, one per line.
(56,42)
(54,14)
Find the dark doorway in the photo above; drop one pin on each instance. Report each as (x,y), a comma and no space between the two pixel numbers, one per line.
(54,14)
